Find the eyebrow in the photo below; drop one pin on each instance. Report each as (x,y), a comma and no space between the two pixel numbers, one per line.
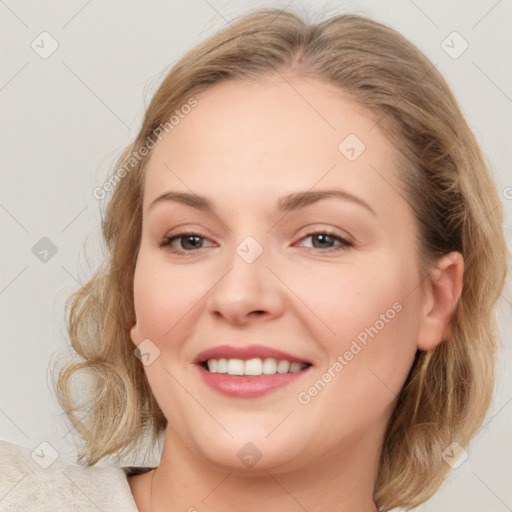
(288,203)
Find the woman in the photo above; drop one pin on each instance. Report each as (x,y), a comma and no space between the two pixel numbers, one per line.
(306,251)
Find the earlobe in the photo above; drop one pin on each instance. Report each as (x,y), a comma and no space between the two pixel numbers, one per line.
(135,334)
(443,292)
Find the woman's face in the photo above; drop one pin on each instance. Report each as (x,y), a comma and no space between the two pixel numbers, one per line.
(332,281)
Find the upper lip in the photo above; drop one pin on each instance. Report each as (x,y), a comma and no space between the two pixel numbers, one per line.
(247,352)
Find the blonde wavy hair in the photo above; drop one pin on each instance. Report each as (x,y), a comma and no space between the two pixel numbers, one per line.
(445,180)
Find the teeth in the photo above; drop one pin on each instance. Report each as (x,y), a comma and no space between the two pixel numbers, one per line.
(235,367)
(254,367)
(269,366)
(213,365)
(222,365)
(283,367)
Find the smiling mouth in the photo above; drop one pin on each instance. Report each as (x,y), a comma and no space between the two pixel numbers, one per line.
(252,367)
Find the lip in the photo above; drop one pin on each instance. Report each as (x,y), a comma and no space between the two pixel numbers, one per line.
(240,386)
(245,353)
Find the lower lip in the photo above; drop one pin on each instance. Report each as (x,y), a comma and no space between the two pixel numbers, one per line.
(248,387)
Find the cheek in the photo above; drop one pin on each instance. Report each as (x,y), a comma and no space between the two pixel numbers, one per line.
(164,297)
(165,294)
(368,317)
(345,301)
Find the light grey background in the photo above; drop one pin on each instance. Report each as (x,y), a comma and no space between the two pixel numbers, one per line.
(65,118)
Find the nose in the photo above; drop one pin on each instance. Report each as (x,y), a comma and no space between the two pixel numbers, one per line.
(247,292)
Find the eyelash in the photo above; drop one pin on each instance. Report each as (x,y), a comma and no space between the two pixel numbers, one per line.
(167,241)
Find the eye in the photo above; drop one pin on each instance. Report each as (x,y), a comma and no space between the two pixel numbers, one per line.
(325,239)
(189,242)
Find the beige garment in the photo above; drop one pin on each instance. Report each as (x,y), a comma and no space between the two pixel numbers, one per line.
(27,486)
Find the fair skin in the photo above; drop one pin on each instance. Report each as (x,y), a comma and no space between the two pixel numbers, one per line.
(243,147)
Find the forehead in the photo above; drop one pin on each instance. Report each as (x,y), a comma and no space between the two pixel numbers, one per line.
(254,138)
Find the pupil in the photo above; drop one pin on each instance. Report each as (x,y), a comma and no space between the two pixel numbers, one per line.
(192,237)
(322,237)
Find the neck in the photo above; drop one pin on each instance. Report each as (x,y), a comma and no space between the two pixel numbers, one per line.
(342,480)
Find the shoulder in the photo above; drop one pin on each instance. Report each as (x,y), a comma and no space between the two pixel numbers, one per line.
(33,480)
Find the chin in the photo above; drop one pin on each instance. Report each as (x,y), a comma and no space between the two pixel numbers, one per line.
(252,456)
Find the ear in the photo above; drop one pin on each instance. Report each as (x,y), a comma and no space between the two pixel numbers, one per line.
(135,334)
(442,292)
